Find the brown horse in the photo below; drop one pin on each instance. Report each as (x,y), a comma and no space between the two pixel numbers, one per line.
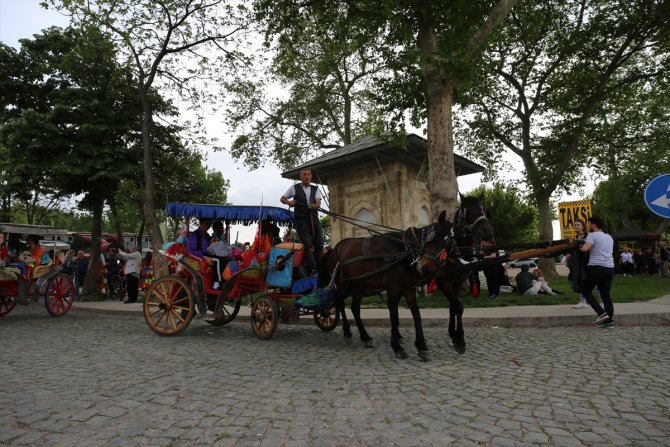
(393,262)
(471,227)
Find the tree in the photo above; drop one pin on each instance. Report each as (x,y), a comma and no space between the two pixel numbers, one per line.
(181,43)
(630,149)
(83,112)
(514,220)
(326,65)
(432,48)
(556,66)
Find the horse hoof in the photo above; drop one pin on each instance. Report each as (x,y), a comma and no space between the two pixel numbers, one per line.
(401,354)
(368,344)
(459,347)
(424,355)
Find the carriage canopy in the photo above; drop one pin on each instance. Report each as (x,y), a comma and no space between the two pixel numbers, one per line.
(233,214)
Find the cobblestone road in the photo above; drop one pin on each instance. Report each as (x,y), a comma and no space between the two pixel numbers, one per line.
(87,379)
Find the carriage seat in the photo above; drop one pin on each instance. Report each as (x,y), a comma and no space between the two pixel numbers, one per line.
(40,271)
(195,262)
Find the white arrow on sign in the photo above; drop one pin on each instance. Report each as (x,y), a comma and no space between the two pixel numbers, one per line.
(663,201)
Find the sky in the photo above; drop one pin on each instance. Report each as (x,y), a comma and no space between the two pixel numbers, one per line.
(24,18)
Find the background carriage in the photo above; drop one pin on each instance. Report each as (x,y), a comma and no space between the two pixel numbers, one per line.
(18,282)
(266,277)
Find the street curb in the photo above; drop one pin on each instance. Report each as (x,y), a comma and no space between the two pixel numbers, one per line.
(629,319)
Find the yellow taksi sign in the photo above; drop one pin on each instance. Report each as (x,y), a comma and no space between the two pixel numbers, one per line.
(568,212)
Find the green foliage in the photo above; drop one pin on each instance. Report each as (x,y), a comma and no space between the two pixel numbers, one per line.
(325,229)
(69,130)
(558,72)
(630,149)
(513,220)
(327,64)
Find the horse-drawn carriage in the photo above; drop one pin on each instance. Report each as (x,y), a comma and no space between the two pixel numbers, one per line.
(20,280)
(392,261)
(267,278)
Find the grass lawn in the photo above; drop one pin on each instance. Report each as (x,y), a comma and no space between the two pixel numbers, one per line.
(624,290)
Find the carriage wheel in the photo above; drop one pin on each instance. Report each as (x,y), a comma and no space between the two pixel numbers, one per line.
(59,295)
(231,307)
(264,317)
(7,303)
(231,304)
(327,318)
(168,305)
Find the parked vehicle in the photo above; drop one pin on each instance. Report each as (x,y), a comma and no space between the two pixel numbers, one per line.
(531,262)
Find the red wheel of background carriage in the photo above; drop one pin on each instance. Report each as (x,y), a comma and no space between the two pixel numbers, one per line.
(7,303)
(59,295)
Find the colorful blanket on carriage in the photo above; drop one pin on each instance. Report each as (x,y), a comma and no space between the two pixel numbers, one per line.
(317,299)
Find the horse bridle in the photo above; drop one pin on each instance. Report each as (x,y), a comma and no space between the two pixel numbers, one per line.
(428,235)
(469,229)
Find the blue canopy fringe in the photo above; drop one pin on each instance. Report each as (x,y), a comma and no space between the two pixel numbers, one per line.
(233,214)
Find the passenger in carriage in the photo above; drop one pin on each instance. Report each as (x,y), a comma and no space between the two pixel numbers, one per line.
(15,247)
(199,240)
(306,199)
(220,253)
(39,257)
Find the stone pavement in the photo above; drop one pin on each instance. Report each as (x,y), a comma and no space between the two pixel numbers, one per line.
(95,379)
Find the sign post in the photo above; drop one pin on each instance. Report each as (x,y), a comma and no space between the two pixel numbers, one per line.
(657,196)
(568,212)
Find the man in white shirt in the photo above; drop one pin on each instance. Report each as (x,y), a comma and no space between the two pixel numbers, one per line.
(599,271)
(306,198)
(132,271)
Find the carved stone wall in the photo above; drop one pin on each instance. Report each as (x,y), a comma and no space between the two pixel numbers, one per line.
(392,196)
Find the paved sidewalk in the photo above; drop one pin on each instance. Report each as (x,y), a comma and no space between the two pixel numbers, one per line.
(654,312)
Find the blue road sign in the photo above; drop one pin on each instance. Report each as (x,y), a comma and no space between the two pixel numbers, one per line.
(657,195)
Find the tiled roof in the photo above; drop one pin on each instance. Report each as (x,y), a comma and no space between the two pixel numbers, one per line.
(415,151)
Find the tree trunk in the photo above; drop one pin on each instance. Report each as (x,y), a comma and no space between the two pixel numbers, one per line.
(547,265)
(117,223)
(91,279)
(439,90)
(442,182)
(160,264)
(6,212)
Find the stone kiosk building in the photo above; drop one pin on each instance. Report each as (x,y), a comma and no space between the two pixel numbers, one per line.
(376,182)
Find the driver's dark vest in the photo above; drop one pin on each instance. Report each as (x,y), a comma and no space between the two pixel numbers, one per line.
(301,207)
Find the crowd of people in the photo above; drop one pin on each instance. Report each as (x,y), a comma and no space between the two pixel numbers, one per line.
(135,270)
(645,261)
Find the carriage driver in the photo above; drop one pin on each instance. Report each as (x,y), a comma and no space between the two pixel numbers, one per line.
(306,199)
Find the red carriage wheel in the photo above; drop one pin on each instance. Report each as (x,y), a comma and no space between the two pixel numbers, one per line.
(327,318)
(59,295)
(264,317)
(7,303)
(169,305)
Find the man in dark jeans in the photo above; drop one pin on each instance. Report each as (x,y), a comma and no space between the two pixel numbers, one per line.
(599,271)
(306,199)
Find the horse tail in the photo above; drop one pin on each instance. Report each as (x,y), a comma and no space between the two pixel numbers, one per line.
(324,271)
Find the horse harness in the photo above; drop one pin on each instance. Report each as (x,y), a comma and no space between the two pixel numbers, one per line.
(415,247)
